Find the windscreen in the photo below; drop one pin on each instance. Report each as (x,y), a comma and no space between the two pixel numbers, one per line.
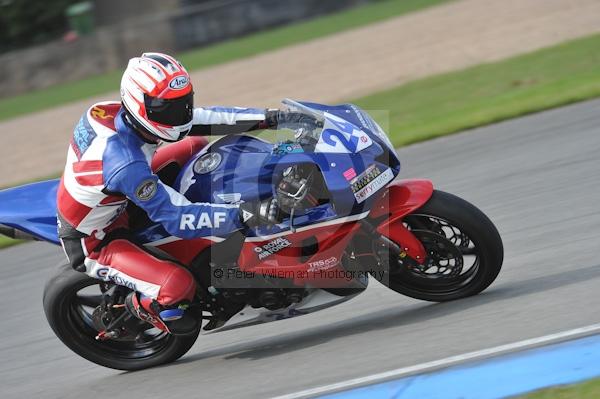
(342,118)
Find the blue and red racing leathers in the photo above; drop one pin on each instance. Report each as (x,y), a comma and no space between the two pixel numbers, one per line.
(108,164)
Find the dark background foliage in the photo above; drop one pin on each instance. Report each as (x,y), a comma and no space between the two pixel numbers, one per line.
(27,22)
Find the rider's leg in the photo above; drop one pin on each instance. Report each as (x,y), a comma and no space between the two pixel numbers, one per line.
(162,285)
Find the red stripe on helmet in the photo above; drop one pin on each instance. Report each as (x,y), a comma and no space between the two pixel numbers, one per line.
(139,103)
(159,87)
(150,77)
(143,87)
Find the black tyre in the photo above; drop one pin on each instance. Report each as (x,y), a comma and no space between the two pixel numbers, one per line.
(69,301)
(465,251)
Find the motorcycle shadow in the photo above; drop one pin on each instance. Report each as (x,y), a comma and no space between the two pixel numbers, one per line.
(392,317)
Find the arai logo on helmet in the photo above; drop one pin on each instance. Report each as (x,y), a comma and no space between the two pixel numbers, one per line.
(179,82)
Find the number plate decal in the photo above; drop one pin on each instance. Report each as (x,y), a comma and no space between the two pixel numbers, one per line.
(340,136)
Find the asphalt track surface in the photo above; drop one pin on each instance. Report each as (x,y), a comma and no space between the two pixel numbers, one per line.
(538,178)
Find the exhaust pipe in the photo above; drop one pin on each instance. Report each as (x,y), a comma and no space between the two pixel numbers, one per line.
(11,232)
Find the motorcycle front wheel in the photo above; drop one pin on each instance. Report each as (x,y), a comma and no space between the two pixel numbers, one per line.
(464,251)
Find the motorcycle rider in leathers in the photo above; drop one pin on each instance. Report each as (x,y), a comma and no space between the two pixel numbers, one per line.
(108,166)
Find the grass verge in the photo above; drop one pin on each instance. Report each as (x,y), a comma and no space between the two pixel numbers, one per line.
(487,93)
(7,242)
(585,390)
(219,53)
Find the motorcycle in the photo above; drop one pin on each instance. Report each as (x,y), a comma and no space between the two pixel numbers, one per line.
(343,219)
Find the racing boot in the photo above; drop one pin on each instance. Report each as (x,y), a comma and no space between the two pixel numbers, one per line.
(173,320)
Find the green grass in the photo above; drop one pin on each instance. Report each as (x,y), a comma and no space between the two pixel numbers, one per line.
(220,53)
(7,242)
(586,390)
(452,102)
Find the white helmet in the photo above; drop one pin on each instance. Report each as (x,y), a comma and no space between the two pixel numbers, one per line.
(157,92)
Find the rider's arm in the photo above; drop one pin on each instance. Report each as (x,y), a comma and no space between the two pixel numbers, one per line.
(218,121)
(168,207)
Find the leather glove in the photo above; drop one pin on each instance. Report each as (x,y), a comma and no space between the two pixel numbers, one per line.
(258,213)
(271,118)
(275,117)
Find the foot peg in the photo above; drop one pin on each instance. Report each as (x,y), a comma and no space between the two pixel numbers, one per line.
(175,321)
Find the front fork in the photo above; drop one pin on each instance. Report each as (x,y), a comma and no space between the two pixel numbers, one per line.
(392,237)
(402,241)
(402,245)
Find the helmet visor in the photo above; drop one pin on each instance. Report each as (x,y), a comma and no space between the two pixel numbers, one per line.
(173,112)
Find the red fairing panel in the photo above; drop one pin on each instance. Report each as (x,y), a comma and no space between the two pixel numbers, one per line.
(179,152)
(282,256)
(402,198)
(186,250)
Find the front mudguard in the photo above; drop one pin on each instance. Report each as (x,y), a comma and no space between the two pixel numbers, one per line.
(401,198)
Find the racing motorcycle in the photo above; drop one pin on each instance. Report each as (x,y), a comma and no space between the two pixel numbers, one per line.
(343,219)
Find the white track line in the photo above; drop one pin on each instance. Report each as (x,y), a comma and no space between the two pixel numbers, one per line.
(449,361)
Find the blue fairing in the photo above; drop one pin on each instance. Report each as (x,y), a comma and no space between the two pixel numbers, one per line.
(251,168)
(361,119)
(32,209)
(239,171)
(248,170)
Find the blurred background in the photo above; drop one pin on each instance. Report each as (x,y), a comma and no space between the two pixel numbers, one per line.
(98,36)
(424,69)
(429,67)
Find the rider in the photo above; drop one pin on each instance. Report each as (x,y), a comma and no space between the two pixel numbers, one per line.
(108,165)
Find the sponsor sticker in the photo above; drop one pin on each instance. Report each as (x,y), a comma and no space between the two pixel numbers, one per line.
(271,247)
(105,274)
(146,190)
(102,273)
(288,148)
(230,198)
(369,182)
(179,82)
(322,264)
(350,174)
(98,112)
(246,215)
(189,222)
(360,181)
(83,135)
(120,280)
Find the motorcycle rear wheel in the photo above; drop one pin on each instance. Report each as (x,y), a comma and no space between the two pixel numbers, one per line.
(69,299)
(464,250)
